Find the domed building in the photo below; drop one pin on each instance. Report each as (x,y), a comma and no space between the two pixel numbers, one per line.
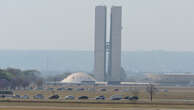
(78,77)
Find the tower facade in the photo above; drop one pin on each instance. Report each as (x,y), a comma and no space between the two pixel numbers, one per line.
(107,68)
(100,43)
(115,42)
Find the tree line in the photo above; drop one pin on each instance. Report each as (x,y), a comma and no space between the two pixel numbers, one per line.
(16,78)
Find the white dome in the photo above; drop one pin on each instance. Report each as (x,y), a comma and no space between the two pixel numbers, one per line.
(78,78)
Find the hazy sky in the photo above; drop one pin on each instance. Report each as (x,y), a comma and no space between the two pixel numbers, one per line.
(69,24)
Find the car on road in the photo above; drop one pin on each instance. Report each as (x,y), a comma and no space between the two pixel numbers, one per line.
(83,97)
(116,97)
(100,98)
(133,98)
(54,97)
(69,89)
(69,97)
(38,96)
(116,89)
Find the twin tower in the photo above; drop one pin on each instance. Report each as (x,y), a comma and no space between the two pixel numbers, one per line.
(107,66)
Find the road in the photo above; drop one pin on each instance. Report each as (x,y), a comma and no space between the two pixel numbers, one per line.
(78,108)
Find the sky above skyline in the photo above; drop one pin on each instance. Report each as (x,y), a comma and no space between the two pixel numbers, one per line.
(69,24)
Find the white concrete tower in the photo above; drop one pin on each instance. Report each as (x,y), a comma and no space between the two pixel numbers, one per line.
(100,43)
(115,42)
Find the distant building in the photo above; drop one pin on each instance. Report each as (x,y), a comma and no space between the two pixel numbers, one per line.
(172,78)
(78,78)
(107,54)
(100,43)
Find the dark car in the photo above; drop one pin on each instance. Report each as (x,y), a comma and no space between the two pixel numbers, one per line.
(133,98)
(116,89)
(100,98)
(83,97)
(69,89)
(54,97)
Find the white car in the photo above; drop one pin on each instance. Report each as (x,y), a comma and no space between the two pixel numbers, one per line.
(116,97)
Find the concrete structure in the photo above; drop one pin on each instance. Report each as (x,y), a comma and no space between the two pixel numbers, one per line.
(77,78)
(100,43)
(108,70)
(115,42)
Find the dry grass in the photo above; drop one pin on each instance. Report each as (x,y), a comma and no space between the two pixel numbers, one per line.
(78,106)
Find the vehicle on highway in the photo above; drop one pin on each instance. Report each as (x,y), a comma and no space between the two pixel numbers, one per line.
(38,96)
(69,97)
(100,98)
(69,89)
(116,89)
(83,97)
(54,97)
(133,98)
(116,97)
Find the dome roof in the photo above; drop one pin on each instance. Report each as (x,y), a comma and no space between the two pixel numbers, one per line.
(78,78)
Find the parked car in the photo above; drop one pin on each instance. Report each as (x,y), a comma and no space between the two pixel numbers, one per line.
(83,97)
(54,97)
(38,96)
(133,98)
(100,98)
(116,97)
(69,89)
(69,97)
